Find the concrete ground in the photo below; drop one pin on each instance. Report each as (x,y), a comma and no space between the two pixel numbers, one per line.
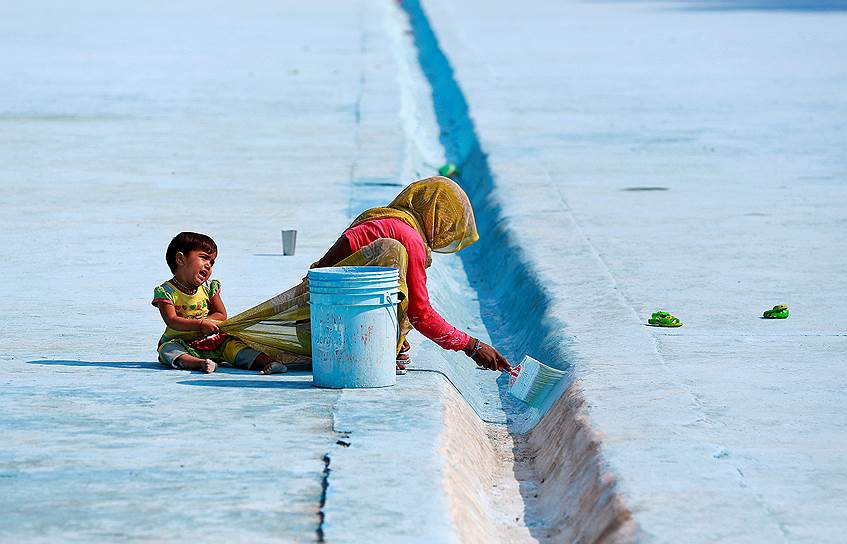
(123,125)
(685,156)
(677,155)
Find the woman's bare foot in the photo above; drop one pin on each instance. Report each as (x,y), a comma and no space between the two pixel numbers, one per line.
(403,358)
(273,367)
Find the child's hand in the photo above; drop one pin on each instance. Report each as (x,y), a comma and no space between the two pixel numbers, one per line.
(209,326)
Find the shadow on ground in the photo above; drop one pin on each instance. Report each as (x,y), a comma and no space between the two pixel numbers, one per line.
(294,370)
(257,384)
(109,364)
(750,5)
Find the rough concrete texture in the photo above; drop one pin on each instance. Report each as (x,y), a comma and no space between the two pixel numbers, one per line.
(479,481)
(683,156)
(124,125)
(267,116)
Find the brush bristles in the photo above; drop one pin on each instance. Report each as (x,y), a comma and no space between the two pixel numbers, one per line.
(535,380)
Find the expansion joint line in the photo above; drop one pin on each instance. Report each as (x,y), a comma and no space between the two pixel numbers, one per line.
(324,486)
(343,440)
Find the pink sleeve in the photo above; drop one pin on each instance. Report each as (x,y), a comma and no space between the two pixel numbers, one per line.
(421,314)
(365,233)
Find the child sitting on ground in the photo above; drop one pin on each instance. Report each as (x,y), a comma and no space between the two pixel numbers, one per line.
(191,306)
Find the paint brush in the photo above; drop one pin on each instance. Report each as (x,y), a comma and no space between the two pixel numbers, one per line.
(531,381)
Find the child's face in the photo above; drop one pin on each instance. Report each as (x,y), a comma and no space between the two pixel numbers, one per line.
(195,267)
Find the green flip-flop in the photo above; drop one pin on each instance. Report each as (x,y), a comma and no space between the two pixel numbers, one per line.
(664,319)
(780,311)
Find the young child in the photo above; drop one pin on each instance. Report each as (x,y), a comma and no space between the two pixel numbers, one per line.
(191,307)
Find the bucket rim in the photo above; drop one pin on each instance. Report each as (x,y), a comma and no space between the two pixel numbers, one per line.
(366,271)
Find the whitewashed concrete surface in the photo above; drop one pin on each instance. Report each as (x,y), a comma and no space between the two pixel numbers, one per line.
(121,125)
(732,427)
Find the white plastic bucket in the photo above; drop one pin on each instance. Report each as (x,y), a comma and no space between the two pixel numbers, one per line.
(354,326)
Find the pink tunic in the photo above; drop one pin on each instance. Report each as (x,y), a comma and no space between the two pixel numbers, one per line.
(421,313)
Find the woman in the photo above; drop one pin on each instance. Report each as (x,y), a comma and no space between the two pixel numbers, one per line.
(432,214)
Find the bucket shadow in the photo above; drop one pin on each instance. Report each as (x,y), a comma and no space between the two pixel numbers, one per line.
(255,384)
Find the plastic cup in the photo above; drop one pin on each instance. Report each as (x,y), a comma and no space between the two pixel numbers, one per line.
(289,241)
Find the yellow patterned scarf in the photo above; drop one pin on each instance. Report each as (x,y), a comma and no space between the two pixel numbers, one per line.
(435,207)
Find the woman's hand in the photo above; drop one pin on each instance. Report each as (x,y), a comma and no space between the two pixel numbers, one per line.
(209,326)
(486,356)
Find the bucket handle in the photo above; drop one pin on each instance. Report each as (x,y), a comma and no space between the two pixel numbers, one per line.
(388,300)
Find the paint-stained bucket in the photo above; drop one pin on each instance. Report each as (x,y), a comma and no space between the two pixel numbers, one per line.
(354,325)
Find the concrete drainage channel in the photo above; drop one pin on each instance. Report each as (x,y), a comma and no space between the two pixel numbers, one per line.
(508,473)
(541,476)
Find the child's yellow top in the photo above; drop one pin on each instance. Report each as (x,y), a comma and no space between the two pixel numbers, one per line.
(194,306)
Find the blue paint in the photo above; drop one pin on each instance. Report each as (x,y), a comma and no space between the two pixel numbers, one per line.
(354,326)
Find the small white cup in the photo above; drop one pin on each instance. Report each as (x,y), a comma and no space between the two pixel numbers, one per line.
(289,240)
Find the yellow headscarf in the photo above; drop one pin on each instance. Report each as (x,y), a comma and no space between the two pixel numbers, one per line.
(437,208)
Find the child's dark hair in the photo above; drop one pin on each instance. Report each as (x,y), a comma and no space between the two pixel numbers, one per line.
(185,242)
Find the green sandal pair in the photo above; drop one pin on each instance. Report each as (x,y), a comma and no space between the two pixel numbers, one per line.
(780,311)
(664,319)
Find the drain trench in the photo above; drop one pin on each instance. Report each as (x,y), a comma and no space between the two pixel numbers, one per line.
(564,489)
(501,485)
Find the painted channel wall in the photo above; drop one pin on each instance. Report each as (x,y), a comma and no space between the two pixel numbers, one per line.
(576,493)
